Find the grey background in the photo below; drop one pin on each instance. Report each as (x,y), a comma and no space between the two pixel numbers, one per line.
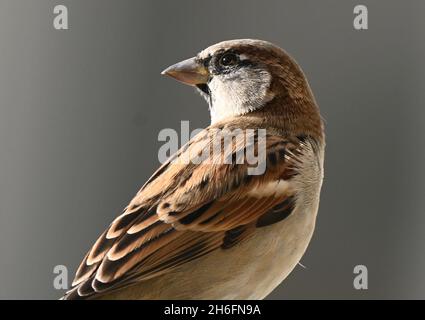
(80,111)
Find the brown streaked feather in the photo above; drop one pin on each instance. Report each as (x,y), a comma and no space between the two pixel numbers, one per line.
(236,235)
(184,212)
(278,213)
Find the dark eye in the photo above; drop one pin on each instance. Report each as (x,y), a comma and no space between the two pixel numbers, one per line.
(228,59)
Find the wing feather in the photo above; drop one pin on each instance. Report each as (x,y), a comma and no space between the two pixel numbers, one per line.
(186,211)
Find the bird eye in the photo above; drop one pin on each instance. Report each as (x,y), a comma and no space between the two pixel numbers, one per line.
(228,59)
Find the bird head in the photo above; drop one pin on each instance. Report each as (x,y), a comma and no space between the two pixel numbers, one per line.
(237,77)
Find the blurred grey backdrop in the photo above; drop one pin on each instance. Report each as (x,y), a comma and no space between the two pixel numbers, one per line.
(80,112)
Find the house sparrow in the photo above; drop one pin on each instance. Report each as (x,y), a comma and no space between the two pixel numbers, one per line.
(211,230)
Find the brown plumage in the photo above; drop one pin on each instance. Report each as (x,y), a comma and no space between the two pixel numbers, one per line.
(191,217)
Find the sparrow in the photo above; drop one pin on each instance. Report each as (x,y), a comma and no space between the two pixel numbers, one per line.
(213,229)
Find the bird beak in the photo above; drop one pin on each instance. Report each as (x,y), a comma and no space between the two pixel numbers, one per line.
(189,71)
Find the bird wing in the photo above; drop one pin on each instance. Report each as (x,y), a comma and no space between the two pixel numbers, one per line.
(188,209)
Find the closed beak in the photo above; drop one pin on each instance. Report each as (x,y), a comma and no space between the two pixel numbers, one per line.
(189,71)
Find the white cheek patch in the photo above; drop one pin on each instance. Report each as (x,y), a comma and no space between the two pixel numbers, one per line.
(274,188)
(244,91)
